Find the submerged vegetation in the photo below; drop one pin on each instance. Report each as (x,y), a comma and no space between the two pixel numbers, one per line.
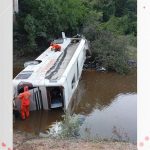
(109,25)
(70,126)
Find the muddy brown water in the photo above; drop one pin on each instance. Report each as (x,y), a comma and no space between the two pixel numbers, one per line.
(106,101)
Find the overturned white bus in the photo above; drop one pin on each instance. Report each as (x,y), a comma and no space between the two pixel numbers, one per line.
(53,77)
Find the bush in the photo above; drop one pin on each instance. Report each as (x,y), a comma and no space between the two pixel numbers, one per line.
(111,52)
(70,126)
(115,24)
(91,25)
(132,40)
(120,25)
(30,28)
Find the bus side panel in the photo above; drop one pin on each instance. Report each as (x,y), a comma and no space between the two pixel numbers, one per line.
(74,75)
(38,99)
(81,60)
(65,95)
(32,101)
(71,82)
(44,97)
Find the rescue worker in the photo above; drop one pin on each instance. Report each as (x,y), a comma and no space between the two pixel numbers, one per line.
(56,47)
(25,102)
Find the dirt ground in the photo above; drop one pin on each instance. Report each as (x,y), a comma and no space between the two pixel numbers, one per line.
(25,141)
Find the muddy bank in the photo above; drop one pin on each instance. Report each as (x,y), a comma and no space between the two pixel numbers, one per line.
(24,141)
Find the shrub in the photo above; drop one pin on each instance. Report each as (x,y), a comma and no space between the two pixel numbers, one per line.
(121,25)
(70,126)
(91,25)
(115,24)
(111,52)
(29,26)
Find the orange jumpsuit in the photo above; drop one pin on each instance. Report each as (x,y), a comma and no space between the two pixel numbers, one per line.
(56,47)
(25,103)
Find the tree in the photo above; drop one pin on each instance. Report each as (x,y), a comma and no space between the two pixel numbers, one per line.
(31,30)
(91,24)
(120,7)
(46,19)
(111,52)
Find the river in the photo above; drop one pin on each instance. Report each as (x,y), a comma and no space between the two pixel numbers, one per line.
(106,101)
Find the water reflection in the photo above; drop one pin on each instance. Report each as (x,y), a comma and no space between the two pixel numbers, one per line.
(98,90)
(38,121)
(118,121)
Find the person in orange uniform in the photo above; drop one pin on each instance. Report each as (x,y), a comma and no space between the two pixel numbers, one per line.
(25,102)
(56,47)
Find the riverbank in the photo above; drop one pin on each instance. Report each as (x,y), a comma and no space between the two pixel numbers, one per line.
(24,141)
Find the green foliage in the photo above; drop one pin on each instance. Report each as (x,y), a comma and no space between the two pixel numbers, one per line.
(70,126)
(31,30)
(115,25)
(131,6)
(120,7)
(131,40)
(105,6)
(41,20)
(111,52)
(120,25)
(117,16)
(91,25)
